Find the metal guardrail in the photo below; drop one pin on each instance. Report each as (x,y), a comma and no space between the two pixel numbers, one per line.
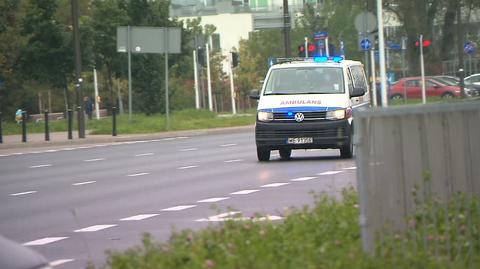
(405,154)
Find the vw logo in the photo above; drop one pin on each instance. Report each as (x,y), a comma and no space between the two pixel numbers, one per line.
(299,117)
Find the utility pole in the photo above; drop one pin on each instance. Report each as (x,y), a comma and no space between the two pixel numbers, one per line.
(78,70)
(286,30)
(460,42)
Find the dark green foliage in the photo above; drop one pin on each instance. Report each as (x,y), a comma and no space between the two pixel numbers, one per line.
(325,236)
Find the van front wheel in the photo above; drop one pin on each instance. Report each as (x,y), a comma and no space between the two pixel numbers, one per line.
(346,151)
(263,155)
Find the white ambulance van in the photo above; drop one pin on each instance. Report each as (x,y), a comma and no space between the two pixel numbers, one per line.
(308,104)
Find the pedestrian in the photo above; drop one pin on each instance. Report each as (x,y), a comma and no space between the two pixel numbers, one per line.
(89,105)
(18,116)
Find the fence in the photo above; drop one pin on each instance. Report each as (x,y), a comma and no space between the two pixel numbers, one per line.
(407,153)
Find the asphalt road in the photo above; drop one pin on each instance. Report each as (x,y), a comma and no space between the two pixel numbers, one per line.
(72,204)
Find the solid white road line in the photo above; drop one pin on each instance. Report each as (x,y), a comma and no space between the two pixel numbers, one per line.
(138,174)
(213,200)
(139,217)
(144,154)
(83,183)
(187,167)
(273,185)
(95,228)
(178,208)
(228,145)
(350,168)
(244,192)
(95,160)
(40,165)
(168,139)
(51,150)
(233,161)
(329,173)
(189,149)
(182,137)
(44,241)
(302,179)
(60,262)
(22,193)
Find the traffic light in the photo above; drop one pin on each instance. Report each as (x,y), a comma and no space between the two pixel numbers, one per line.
(301,50)
(235,59)
(426,43)
(201,57)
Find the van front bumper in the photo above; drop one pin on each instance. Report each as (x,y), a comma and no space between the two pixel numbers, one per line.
(325,134)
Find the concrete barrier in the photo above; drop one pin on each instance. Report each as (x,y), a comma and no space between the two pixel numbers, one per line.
(432,149)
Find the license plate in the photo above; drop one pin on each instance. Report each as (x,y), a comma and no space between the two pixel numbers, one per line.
(300,140)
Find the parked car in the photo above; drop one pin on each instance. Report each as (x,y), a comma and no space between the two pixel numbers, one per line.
(470,89)
(473,82)
(16,256)
(412,88)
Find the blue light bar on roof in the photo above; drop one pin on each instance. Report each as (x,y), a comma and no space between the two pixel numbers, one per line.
(322,59)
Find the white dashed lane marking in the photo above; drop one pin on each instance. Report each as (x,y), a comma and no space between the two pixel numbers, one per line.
(144,154)
(139,217)
(244,192)
(233,161)
(95,228)
(350,168)
(83,183)
(40,165)
(22,193)
(329,173)
(302,179)
(189,149)
(60,262)
(138,174)
(44,241)
(94,160)
(187,167)
(178,208)
(273,185)
(228,145)
(213,200)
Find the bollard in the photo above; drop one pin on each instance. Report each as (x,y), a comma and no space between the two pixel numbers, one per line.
(114,121)
(1,137)
(24,126)
(47,130)
(69,116)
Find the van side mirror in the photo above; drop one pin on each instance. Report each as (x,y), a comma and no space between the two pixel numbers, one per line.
(254,94)
(358,91)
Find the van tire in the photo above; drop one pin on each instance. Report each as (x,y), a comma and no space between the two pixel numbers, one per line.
(346,151)
(285,153)
(263,155)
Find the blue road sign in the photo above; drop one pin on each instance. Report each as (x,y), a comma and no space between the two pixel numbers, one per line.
(320,35)
(470,48)
(366,44)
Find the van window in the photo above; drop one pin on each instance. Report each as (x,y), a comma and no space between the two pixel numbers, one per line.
(305,80)
(358,75)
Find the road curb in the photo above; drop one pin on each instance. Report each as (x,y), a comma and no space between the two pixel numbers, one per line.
(95,139)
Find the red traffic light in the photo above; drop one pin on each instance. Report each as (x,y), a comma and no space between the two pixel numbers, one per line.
(311,48)
(426,43)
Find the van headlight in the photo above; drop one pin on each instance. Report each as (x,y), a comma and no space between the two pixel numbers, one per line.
(264,116)
(337,114)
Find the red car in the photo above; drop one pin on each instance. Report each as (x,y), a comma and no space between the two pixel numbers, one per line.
(411,86)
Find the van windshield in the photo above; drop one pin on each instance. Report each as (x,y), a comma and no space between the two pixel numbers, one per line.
(305,80)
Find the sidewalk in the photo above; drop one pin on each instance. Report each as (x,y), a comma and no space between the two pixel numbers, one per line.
(37,140)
